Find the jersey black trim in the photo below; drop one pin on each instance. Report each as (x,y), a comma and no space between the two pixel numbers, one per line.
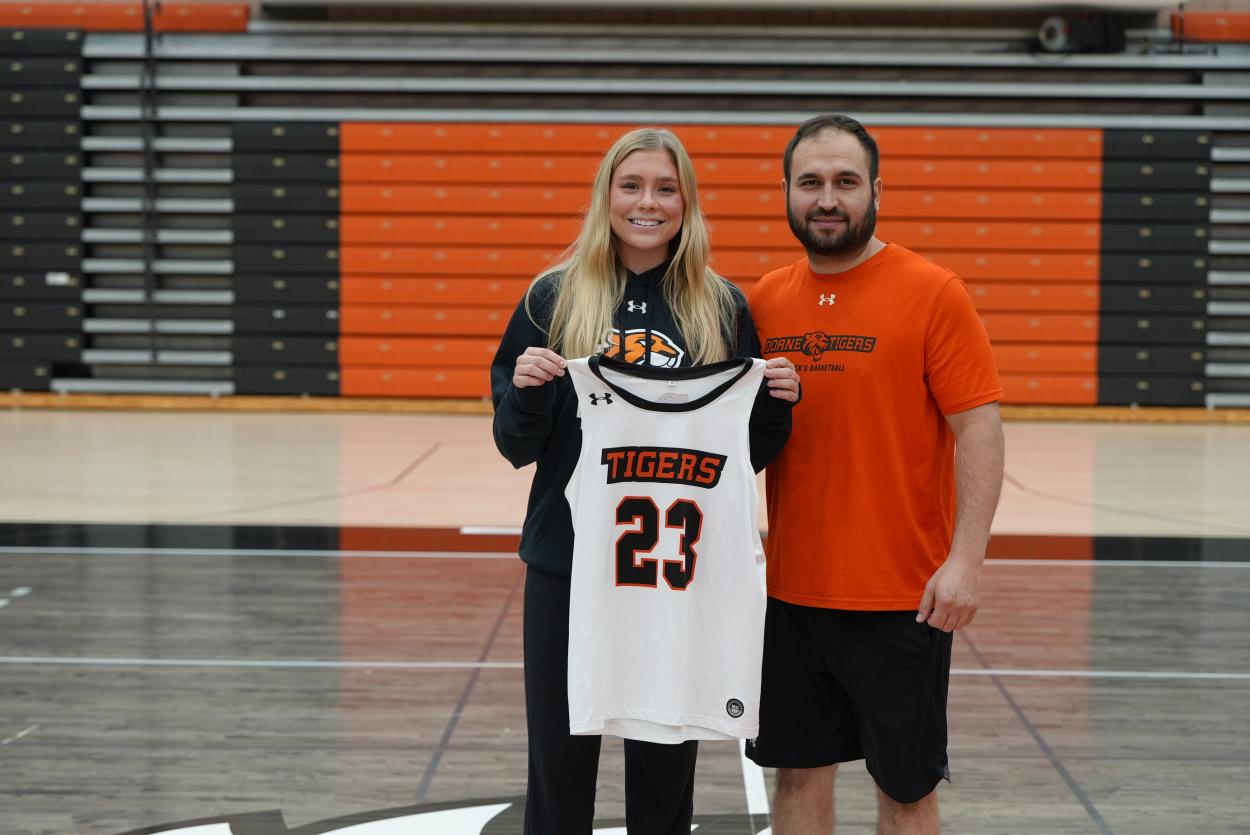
(645,372)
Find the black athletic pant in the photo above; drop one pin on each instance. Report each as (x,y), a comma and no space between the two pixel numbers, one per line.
(560,800)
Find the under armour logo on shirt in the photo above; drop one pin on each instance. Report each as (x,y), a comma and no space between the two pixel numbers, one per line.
(829,299)
(606,397)
(636,307)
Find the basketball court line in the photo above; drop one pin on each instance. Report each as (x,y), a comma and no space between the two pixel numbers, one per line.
(24,732)
(86,551)
(1009,479)
(1055,760)
(272,663)
(753,782)
(394,481)
(232,513)
(1121,563)
(136,551)
(292,663)
(445,741)
(487,530)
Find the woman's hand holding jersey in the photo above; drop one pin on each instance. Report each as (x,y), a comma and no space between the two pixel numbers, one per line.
(537,366)
(783,379)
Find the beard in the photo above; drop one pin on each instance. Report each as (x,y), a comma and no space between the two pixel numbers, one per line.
(853,237)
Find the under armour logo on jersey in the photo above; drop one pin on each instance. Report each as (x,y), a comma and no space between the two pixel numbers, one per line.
(606,397)
(829,299)
(636,307)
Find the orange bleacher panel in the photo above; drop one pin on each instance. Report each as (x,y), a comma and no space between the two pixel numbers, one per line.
(764,202)
(1066,268)
(751,235)
(415,382)
(987,143)
(734,140)
(923,204)
(991,173)
(1212,27)
(769,203)
(475,137)
(445,199)
(547,170)
(504,167)
(414,261)
(1050,389)
(1015,266)
(923,235)
(490,138)
(749,265)
(730,140)
(201,17)
(1041,327)
(125,17)
(415,351)
(1046,359)
(386,290)
(422,320)
(994,297)
(391,229)
(739,171)
(98,17)
(990,205)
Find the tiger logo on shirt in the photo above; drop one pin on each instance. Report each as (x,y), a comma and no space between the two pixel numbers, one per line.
(658,349)
(814,345)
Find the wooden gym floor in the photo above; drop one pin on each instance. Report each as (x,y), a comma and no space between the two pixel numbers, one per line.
(253,624)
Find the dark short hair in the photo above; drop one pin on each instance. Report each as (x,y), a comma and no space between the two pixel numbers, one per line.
(833,121)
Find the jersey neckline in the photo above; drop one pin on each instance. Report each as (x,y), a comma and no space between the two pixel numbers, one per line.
(594,363)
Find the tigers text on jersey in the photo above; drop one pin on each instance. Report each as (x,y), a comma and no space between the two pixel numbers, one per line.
(666,620)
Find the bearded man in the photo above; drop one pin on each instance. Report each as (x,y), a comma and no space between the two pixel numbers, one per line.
(879,507)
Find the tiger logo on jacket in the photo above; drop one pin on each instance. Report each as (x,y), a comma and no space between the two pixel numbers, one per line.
(659,350)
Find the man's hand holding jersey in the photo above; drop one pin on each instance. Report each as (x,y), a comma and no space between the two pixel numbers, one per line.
(783,379)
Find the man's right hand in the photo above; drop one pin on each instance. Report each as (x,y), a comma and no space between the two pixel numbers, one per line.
(537,366)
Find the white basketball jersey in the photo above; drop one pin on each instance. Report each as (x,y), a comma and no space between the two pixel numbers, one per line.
(666,617)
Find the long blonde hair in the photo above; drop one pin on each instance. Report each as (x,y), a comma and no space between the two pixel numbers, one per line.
(591,278)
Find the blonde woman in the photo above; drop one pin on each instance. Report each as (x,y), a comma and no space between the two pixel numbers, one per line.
(635,285)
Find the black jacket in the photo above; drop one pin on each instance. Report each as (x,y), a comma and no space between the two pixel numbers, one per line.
(539,423)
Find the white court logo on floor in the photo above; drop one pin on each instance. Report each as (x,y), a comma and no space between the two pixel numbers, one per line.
(495,817)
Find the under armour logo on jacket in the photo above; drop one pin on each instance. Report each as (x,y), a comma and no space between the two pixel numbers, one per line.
(636,307)
(606,397)
(829,299)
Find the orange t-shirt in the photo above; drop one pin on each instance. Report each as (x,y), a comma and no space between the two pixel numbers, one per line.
(861,500)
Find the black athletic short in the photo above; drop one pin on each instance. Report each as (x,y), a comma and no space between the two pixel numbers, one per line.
(844,685)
